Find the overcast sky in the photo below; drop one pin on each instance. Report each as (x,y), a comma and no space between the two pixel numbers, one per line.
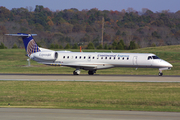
(153,5)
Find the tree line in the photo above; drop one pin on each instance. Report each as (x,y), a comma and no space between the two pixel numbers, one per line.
(70,28)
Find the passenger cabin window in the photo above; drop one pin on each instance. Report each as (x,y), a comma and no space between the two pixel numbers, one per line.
(118,58)
(76,57)
(114,58)
(80,57)
(84,57)
(127,58)
(63,56)
(109,57)
(67,57)
(93,57)
(105,57)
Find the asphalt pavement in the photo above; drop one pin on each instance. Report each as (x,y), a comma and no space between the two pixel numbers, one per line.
(69,114)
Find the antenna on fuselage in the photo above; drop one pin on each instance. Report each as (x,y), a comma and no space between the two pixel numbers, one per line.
(80,48)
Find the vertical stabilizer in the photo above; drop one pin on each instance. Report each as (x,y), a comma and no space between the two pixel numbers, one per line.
(29,43)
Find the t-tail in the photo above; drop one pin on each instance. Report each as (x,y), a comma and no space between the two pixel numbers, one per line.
(29,43)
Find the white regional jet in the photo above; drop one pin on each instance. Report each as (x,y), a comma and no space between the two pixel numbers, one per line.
(89,60)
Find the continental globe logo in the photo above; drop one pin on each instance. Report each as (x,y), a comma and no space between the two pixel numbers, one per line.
(32,47)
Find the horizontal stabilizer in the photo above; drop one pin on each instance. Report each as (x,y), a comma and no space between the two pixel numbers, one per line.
(21,35)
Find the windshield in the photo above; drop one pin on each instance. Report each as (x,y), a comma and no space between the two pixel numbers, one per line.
(155,57)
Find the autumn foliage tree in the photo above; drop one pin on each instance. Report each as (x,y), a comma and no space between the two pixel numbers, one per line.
(69,26)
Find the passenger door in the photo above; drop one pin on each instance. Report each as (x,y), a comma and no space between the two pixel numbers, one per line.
(135,60)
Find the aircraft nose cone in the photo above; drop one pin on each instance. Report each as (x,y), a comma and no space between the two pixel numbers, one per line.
(169,65)
(166,64)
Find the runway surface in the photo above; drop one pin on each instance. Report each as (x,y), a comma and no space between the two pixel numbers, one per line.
(67,114)
(89,78)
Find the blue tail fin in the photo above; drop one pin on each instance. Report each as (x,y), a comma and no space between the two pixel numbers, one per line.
(29,43)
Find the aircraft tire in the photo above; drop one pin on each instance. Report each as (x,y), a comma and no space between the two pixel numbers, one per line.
(160,74)
(75,73)
(91,72)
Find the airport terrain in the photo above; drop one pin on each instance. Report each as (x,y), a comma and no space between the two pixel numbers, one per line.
(103,92)
(45,91)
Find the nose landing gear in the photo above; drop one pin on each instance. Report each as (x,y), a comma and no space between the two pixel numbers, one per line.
(161,69)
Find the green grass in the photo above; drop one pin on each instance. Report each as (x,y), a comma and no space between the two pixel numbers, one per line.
(15,61)
(91,95)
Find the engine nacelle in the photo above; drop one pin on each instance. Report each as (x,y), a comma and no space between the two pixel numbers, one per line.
(49,56)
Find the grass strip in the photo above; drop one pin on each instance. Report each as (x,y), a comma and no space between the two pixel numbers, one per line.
(91,95)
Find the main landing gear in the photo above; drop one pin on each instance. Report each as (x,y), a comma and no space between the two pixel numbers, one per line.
(91,72)
(160,73)
(76,72)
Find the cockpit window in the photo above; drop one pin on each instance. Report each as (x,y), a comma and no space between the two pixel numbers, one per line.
(149,57)
(155,57)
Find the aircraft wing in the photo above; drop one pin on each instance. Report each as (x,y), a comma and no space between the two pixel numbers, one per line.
(81,66)
(75,65)
(85,66)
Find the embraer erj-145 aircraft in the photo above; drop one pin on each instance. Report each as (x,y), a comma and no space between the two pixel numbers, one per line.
(89,60)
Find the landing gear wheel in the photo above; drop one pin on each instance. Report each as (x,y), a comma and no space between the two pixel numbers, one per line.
(160,74)
(91,72)
(76,72)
